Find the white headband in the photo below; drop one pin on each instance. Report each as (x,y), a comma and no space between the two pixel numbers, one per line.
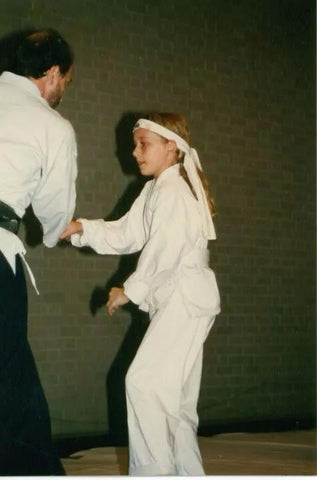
(191,164)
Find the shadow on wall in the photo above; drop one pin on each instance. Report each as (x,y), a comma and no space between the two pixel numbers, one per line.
(115,380)
(127,264)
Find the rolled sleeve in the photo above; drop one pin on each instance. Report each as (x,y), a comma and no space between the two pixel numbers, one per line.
(136,290)
(90,234)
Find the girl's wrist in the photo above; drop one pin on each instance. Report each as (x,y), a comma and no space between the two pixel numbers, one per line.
(80,227)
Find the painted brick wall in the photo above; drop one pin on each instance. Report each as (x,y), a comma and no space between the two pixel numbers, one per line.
(242,72)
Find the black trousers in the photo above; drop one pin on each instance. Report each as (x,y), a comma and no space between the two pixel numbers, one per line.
(25,431)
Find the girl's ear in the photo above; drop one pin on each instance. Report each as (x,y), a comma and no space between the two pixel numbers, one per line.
(171,146)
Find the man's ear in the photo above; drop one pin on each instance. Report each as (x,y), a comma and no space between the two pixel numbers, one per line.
(52,73)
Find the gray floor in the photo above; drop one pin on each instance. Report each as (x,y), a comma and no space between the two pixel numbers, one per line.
(281,453)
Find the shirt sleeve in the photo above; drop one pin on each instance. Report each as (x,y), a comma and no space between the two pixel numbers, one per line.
(126,235)
(170,239)
(55,198)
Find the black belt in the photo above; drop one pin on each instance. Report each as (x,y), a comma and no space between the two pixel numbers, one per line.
(8,218)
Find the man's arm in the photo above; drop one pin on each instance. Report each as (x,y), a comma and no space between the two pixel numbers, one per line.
(55,199)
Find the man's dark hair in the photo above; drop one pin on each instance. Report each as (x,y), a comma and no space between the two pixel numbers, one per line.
(41,50)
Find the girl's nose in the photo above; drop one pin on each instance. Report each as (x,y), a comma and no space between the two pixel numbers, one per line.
(134,153)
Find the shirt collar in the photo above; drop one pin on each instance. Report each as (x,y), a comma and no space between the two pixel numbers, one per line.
(21,82)
(173,170)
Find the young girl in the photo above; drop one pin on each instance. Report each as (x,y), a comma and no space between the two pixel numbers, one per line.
(171,221)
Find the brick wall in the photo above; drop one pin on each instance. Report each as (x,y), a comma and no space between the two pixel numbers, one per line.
(242,72)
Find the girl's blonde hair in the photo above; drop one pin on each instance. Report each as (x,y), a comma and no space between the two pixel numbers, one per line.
(177,124)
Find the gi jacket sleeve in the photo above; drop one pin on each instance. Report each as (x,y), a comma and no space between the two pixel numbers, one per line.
(170,237)
(54,200)
(126,235)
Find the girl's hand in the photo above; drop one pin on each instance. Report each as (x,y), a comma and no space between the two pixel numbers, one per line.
(117,298)
(73,227)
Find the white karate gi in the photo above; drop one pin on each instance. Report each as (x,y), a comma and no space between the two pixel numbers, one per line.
(173,283)
(38,166)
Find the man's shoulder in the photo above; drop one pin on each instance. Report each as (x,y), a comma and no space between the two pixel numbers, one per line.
(21,98)
(57,117)
(51,118)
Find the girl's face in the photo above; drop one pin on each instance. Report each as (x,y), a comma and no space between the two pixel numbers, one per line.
(152,153)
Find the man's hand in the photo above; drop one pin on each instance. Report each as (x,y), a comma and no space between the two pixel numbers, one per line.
(117,298)
(73,227)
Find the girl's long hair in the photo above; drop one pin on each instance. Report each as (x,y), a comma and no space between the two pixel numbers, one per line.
(178,125)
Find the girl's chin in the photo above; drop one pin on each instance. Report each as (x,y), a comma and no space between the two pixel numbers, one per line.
(145,173)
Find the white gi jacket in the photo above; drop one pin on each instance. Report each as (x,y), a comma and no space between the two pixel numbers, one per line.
(164,221)
(37,161)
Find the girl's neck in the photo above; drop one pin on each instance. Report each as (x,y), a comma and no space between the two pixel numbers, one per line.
(165,169)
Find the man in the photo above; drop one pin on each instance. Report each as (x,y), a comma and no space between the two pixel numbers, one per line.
(37,166)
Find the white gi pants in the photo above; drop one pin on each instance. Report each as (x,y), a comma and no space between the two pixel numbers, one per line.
(162,388)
